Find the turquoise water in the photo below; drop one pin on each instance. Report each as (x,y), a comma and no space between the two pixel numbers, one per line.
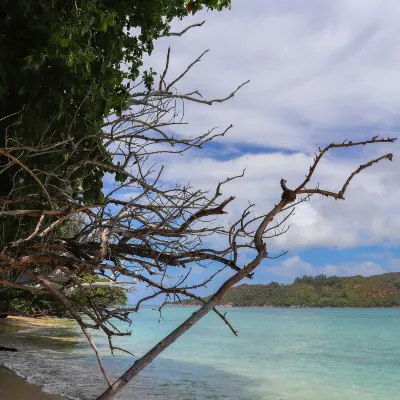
(280,354)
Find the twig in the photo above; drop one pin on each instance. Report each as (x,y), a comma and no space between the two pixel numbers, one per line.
(185,30)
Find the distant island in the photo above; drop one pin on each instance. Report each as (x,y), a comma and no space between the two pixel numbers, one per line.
(319,291)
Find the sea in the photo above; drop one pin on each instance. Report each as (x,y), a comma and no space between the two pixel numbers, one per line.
(279,354)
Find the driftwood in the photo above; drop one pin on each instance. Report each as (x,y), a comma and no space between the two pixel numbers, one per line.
(7,349)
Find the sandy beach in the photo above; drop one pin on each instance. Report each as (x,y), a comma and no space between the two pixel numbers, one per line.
(13,387)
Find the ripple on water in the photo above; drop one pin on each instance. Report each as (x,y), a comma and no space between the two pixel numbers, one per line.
(279,355)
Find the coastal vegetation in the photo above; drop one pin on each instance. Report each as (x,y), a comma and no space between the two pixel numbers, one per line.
(319,291)
(25,303)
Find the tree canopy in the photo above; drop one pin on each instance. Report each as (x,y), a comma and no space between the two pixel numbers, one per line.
(33,304)
(64,67)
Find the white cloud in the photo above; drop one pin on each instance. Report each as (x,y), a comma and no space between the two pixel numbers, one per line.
(320,72)
(292,267)
(364,218)
(377,255)
(295,266)
(366,268)
(317,70)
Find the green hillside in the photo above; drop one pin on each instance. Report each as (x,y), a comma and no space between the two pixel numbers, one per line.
(320,291)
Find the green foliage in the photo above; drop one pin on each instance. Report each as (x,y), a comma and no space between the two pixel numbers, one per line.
(65,65)
(34,304)
(319,291)
(106,296)
(28,304)
(102,297)
(320,280)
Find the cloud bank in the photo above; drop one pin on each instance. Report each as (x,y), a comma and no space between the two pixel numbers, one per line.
(320,72)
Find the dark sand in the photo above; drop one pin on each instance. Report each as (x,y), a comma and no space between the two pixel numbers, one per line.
(13,387)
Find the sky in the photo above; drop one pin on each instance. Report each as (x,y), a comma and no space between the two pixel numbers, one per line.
(320,72)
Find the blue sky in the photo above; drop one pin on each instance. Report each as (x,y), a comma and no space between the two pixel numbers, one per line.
(320,71)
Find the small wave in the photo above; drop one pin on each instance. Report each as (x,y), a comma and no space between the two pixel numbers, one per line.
(50,390)
(12,369)
(28,330)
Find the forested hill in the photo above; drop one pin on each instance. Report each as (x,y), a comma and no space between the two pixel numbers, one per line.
(320,291)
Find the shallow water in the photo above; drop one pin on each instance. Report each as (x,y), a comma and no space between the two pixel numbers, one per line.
(280,354)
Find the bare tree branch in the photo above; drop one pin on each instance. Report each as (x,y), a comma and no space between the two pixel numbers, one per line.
(142,229)
(186,29)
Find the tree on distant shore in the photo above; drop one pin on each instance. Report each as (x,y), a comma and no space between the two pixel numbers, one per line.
(319,291)
(136,227)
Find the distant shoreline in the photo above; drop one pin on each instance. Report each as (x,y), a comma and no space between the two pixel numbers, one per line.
(321,291)
(278,307)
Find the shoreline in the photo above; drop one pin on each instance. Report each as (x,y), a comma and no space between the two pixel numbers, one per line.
(13,386)
(283,307)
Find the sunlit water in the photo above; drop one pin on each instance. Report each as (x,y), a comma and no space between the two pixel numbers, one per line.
(280,354)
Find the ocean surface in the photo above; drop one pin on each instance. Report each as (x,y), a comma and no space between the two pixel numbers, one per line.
(280,354)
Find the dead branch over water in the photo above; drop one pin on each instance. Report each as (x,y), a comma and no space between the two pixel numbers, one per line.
(144,230)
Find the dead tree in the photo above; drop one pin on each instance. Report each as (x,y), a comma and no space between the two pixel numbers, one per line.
(289,200)
(143,230)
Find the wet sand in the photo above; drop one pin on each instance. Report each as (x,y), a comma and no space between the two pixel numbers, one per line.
(12,387)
